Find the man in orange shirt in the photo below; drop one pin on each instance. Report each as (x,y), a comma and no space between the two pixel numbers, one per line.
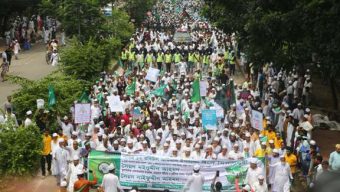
(46,156)
(83,185)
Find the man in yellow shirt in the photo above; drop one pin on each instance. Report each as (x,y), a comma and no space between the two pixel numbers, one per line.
(261,152)
(46,153)
(291,160)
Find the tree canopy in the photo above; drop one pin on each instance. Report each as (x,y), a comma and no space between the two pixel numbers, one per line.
(284,32)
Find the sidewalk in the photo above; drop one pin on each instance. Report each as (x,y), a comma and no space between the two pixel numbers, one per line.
(31,65)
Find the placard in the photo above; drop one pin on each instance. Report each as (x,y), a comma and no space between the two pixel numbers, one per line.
(209,119)
(257,120)
(152,74)
(203,88)
(82,112)
(115,104)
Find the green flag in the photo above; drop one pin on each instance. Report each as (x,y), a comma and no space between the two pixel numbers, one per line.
(232,92)
(159,91)
(130,89)
(84,98)
(196,91)
(51,96)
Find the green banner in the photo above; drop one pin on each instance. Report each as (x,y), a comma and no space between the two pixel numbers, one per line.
(159,172)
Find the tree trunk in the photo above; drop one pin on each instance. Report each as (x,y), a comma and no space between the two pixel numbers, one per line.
(334,95)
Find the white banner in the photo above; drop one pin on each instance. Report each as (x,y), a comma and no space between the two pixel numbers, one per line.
(159,172)
(115,104)
(152,74)
(82,112)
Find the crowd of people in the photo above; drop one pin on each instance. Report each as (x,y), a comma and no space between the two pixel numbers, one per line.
(170,123)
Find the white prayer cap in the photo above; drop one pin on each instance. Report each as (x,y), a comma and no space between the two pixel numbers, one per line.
(104,136)
(182,134)
(263,143)
(123,139)
(168,139)
(178,142)
(115,142)
(63,184)
(305,116)
(291,114)
(159,130)
(307,110)
(247,188)
(276,151)
(232,134)
(197,167)
(261,177)
(312,142)
(158,138)
(101,123)
(187,149)
(268,117)
(197,146)
(148,118)
(224,147)
(60,140)
(235,145)
(247,109)
(76,158)
(129,141)
(290,82)
(209,147)
(216,139)
(236,125)
(271,141)
(74,133)
(141,135)
(111,135)
(247,134)
(269,122)
(282,156)
(166,145)
(29,112)
(80,171)
(149,124)
(253,160)
(54,135)
(111,167)
(65,118)
(88,134)
(99,134)
(144,142)
(153,145)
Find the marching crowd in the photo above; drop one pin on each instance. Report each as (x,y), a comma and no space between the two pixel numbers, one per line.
(170,119)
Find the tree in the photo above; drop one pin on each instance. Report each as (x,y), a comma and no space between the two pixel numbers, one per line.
(20,149)
(137,9)
(86,60)
(67,90)
(289,33)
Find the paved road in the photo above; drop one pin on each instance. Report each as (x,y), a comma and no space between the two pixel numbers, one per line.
(31,65)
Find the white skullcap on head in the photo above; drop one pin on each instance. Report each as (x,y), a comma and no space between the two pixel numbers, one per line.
(271,141)
(29,112)
(247,188)
(153,145)
(63,184)
(261,177)
(235,145)
(197,146)
(276,151)
(60,140)
(263,143)
(80,172)
(65,117)
(197,167)
(307,110)
(166,145)
(129,141)
(248,134)
(111,167)
(224,147)
(312,142)
(100,134)
(54,135)
(115,142)
(253,161)
(75,158)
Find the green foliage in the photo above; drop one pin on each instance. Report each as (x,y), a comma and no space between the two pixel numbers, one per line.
(67,90)
(118,25)
(286,32)
(137,9)
(20,149)
(86,61)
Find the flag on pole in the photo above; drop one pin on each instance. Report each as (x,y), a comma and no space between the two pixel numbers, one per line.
(232,92)
(51,96)
(160,92)
(195,97)
(84,98)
